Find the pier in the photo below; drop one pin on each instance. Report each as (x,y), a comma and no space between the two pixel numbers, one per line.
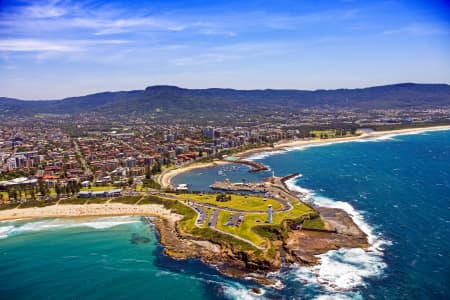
(255,166)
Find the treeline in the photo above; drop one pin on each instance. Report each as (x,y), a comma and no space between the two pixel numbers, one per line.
(40,189)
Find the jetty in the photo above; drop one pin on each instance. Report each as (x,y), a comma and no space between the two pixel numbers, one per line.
(255,166)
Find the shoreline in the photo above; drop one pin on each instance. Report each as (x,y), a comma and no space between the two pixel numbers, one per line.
(89,210)
(165,179)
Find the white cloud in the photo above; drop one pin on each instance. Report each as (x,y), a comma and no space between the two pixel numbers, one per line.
(48,10)
(34,45)
(420,29)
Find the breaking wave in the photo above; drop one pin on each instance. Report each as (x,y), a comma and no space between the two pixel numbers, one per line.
(344,269)
(10,228)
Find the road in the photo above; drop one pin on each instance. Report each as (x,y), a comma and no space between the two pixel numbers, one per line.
(87,170)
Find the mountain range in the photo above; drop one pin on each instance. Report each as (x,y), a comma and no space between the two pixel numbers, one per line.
(172,99)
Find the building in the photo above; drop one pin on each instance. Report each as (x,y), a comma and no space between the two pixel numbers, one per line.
(208,132)
(130,162)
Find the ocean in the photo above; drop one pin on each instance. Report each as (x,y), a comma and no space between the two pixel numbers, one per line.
(397,189)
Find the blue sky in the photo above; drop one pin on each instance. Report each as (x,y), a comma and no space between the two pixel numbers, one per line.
(55,49)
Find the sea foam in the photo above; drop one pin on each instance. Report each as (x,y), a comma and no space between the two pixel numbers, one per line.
(343,269)
(11,228)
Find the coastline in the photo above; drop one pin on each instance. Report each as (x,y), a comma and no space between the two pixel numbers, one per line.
(166,177)
(89,210)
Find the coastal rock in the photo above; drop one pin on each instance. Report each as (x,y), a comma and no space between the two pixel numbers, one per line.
(300,246)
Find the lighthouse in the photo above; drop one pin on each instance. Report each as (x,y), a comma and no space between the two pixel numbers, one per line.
(269,214)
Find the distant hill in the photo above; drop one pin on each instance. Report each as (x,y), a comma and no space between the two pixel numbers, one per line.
(175,100)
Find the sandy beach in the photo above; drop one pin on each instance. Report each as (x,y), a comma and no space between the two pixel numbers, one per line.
(69,210)
(166,177)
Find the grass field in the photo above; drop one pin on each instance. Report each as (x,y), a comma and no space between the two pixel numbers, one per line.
(245,230)
(244,202)
(257,219)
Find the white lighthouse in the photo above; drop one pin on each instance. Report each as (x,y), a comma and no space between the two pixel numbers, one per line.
(269,214)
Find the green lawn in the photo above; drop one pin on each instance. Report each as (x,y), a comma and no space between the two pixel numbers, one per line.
(245,230)
(299,209)
(244,202)
(256,219)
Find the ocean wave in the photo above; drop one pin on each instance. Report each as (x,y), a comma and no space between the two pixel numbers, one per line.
(264,154)
(343,269)
(12,228)
(240,292)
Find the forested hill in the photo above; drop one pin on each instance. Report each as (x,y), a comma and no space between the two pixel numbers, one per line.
(173,99)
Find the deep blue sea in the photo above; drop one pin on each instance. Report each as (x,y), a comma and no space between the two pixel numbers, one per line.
(397,188)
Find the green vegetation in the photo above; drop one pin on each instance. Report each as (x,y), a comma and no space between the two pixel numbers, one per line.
(245,229)
(97,200)
(253,228)
(73,200)
(8,205)
(35,203)
(126,199)
(4,196)
(223,197)
(315,223)
(244,202)
(99,188)
(187,224)
(332,133)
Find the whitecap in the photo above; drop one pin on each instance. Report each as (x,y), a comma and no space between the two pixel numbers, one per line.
(264,154)
(240,292)
(5,231)
(60,223)
(343,269)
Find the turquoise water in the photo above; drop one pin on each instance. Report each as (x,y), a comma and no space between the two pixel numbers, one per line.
(397,189)
(98,258)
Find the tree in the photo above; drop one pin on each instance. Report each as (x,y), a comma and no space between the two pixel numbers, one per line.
(58,189)
(223,197)
(148,173)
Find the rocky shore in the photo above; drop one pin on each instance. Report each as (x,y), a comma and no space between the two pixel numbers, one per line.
(299,247)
